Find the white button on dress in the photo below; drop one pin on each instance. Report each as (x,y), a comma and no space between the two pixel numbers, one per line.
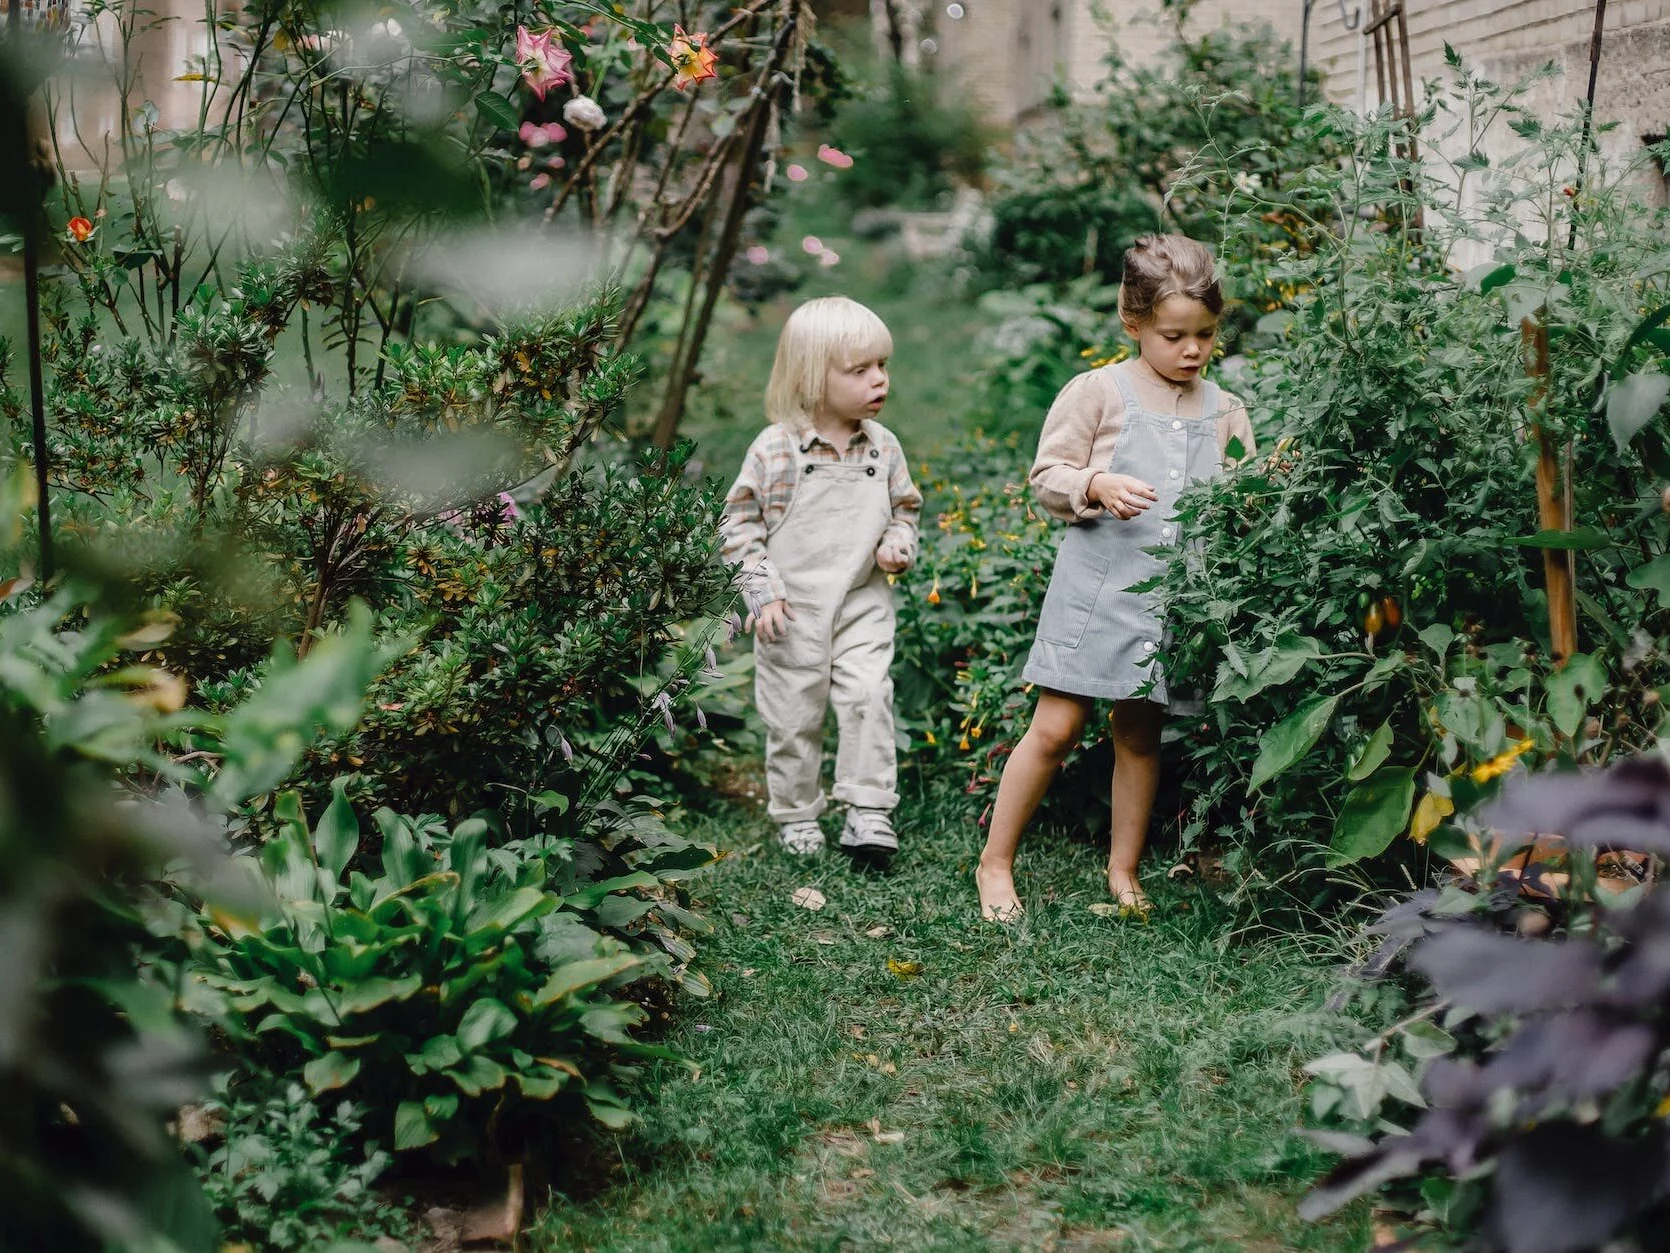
(1176,425)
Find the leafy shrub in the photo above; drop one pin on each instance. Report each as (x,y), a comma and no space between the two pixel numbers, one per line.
(1183,145)
(1528,1116)
(462,983)
(1364,602)
(911,144)
(278,1180)
(93,1052)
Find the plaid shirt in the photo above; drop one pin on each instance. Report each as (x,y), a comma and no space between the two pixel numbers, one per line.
(760,497)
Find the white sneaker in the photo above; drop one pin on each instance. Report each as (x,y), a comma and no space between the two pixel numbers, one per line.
(869,831)
(801,838)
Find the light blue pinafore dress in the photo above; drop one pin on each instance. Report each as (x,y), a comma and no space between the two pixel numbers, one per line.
(1095,636)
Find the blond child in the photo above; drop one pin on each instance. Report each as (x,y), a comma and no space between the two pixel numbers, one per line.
(1118,446)
(822,512)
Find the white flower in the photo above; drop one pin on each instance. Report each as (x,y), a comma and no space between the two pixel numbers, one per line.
(584,113)
(1248,183)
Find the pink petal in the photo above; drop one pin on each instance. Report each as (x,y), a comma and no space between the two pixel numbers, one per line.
(759,254)
(797,173)
(812,244)
(539,182)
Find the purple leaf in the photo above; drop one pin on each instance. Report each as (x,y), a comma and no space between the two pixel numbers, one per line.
(1496,973)
(1561,1188)
(1626,806)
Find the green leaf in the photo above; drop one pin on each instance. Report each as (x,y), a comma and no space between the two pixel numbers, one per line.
(402,861)
(412,1128)
(333,1070)
(337,836)
(1272,667)
(484,1021)
(1654,576)
(1643,333)
(1422,1040)
(1374,753)
(265,736)
(497,109)
(1291,738)
(1372,815)
(1631,404)
(1438,638)
(510,911)
(478,1075)
(1571,690)
(571,977)
(1584,537)
(370,993)
(438,1053)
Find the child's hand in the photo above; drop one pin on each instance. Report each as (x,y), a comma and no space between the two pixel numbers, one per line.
(892,558)
(1121,495)
(771,624)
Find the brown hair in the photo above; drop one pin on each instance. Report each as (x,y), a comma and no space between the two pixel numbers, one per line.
(1157,266)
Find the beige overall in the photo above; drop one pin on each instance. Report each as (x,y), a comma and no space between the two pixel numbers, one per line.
(838,648)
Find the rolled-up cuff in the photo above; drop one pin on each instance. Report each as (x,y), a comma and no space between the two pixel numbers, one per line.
(866,797)
(1079,498)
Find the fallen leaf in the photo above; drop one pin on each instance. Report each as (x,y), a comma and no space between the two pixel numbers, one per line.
(856,1032)
(1104,909)
(749,971)
(824,937)
(809,898)
(890,1137)
(879,933)
(903,970)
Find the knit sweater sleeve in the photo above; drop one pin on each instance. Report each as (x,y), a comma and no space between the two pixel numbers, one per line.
(1086,410)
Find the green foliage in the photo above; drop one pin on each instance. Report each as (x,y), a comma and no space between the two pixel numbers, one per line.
(1364,602)
(911,141)
(94,1056)
(452,982)
(1186,144)
(290,1176)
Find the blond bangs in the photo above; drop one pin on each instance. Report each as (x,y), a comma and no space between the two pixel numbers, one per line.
(831,330)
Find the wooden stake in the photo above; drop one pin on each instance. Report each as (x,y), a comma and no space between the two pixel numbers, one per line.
(1559,568)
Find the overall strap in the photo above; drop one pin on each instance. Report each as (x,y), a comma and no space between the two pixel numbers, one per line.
(1127,393)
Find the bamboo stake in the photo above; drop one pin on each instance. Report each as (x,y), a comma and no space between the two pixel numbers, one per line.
(1559,569)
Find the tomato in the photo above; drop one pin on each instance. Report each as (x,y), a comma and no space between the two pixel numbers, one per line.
(1392,612)
(1373,620)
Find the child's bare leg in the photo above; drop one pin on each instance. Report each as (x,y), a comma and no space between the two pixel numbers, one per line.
(1136,777)
(1054,731)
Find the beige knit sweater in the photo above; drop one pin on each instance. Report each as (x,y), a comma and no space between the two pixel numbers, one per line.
(1083,426)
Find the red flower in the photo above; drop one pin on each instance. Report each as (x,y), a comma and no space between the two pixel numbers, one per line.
(80,230)
(692,59)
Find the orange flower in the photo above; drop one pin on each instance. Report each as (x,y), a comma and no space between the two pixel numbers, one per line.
(692,59)
(80,230)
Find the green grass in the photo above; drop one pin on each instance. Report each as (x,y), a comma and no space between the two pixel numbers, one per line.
(1073,1082)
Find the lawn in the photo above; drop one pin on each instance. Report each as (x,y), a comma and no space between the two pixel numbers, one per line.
(891,1072)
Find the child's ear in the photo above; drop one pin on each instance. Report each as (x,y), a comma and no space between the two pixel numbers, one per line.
(1131,328)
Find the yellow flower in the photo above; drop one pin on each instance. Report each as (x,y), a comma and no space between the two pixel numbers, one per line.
(1502,762)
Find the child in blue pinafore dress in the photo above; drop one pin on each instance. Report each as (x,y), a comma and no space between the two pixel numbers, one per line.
(1118,447)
